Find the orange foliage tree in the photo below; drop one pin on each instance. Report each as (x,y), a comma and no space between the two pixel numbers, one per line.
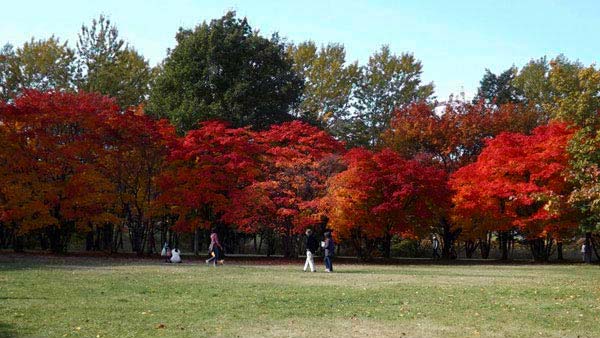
(135,147)
(380,195)
(49,180)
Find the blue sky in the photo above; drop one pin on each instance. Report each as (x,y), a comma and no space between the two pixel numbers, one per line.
(455,40)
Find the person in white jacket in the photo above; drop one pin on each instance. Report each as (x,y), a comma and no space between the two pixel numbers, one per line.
(175,256)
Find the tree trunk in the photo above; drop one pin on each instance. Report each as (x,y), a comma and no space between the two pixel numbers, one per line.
(588,244)
(503,238)
(17,243)
(448,236)
(595,247)
(151,239)
(89,241)
(59,238)
(559,250)
(43,242)
(259,243)
(541,248)
(117,239)
(485,245)
(97,238)
(196,241)
(3,236)
(387,245)
(470,248)
(287,242)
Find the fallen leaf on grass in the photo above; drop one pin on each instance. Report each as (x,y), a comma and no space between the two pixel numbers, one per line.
(161,326)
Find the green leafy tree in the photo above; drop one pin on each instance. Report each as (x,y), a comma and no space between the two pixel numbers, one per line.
(575,91)
(7,84)
(38,64)
(387,82)
(498,89)
(577,101)
(567,90)
(46,64)
(225,70)
(533,83)
(108,66)
(328,85)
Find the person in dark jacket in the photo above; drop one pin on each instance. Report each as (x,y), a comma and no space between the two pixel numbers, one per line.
(311,250)
(329,247)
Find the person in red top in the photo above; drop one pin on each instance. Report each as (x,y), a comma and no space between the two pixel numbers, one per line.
(215,250)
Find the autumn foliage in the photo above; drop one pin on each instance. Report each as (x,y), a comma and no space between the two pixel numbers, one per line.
(257,182)
(207,167)
(381,195)
(518,182)
(75,163)
(454,134)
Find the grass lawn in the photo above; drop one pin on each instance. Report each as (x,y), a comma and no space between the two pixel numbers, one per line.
(102,297)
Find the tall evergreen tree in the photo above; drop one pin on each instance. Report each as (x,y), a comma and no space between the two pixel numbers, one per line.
(498,89)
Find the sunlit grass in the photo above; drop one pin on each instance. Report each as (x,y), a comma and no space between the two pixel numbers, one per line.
(92,297)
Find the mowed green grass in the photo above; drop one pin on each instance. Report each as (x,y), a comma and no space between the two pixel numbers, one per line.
(95,297)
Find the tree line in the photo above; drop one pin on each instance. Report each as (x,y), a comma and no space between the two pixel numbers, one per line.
(259,137)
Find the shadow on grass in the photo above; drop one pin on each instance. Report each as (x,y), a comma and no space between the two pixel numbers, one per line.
(357,271)
(7,331)
(23,298)
(15,262)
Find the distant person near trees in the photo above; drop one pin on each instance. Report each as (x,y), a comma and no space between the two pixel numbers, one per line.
(215,250)
(166,252)
(435,244)
(311,249)
(329,247)
(175,256)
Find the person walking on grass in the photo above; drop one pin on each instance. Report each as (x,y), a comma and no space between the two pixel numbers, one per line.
(329,247)
(311,249)
(214,250)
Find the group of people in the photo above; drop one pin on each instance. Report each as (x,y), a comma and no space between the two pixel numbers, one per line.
(215,251)
(170,255)
(312,246)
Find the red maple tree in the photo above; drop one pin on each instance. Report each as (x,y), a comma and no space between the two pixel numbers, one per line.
(518,183)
